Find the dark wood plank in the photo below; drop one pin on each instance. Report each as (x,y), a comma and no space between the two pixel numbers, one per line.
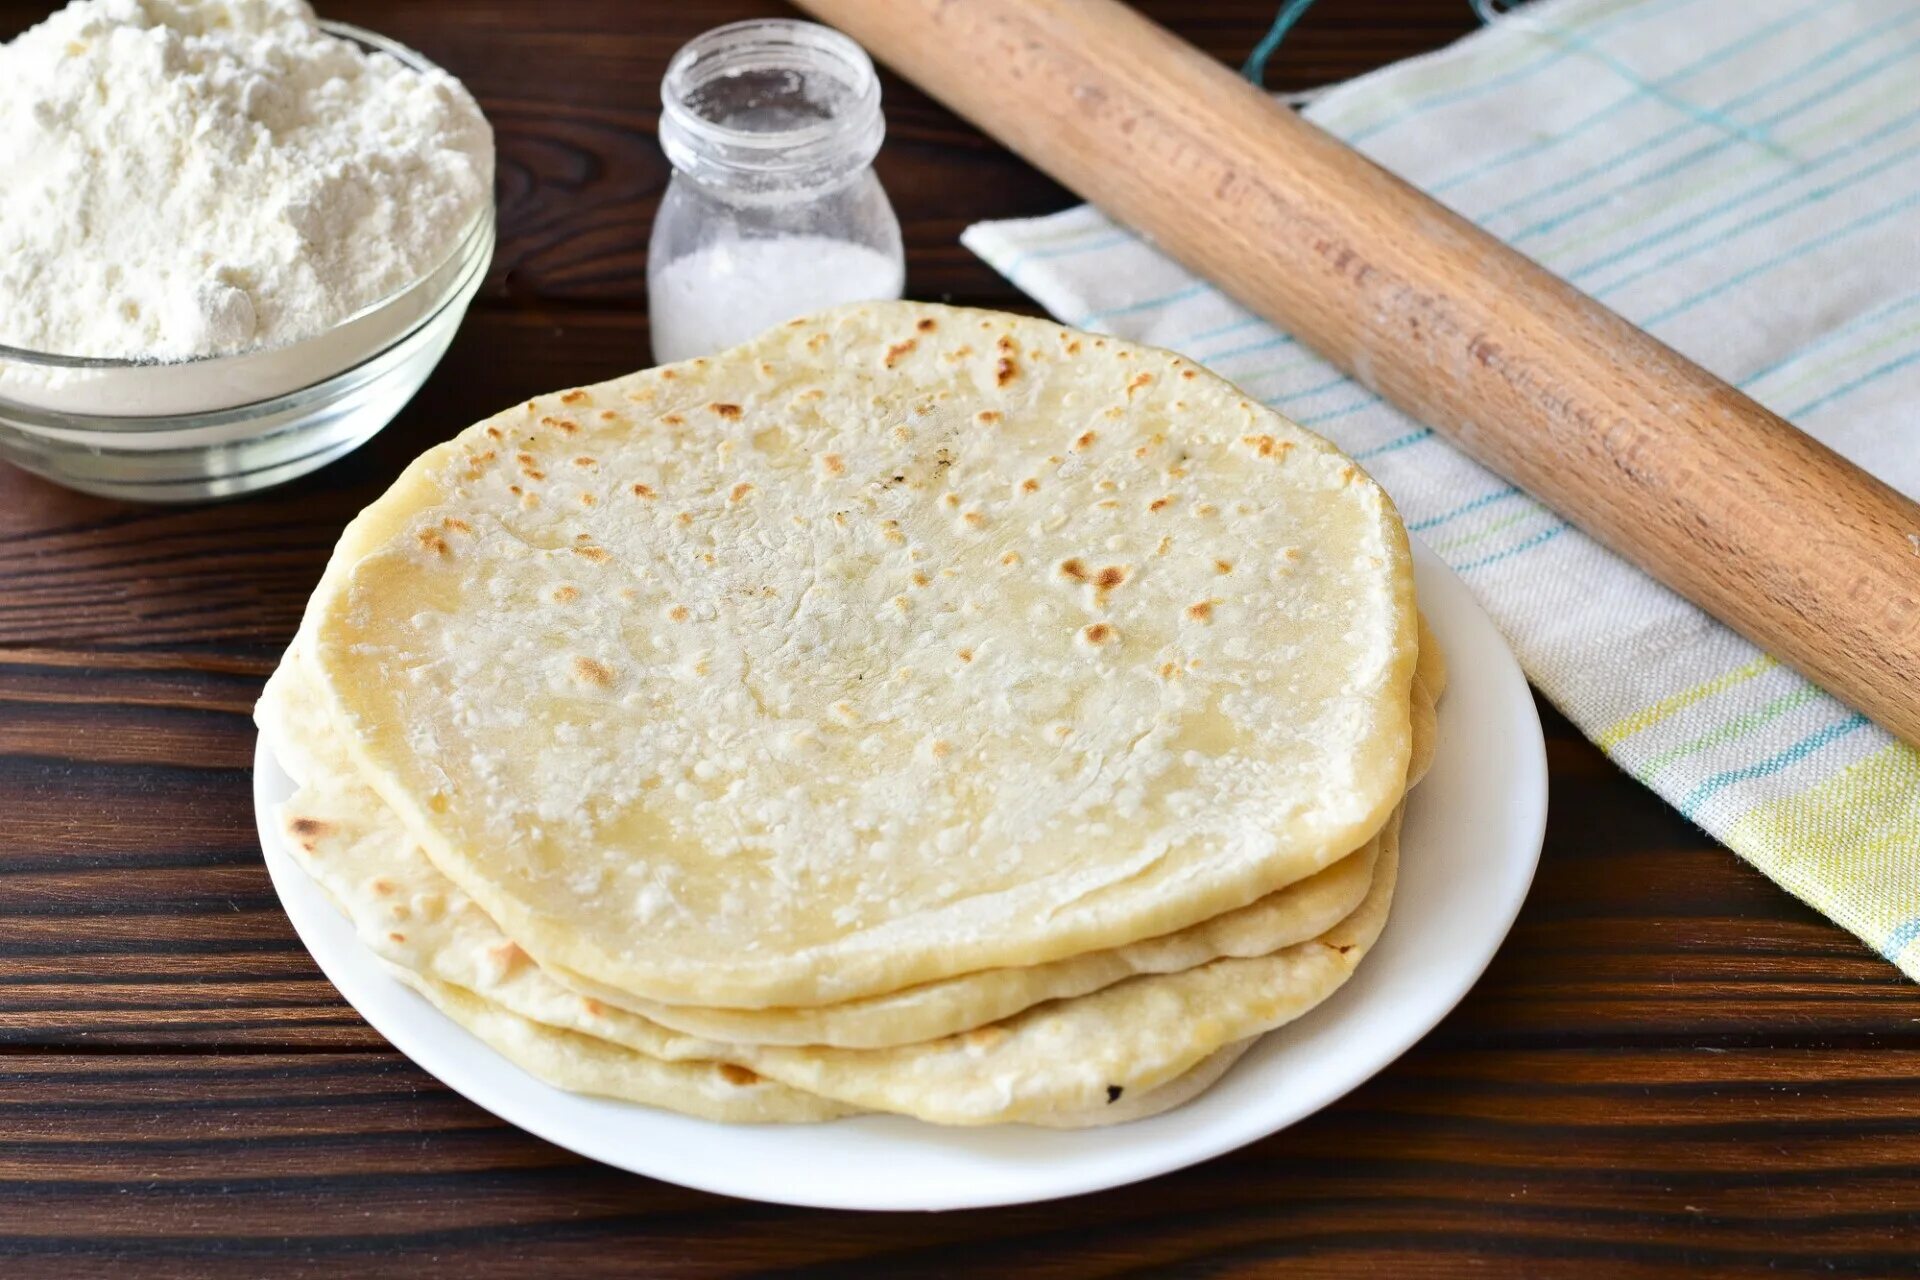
(1589,1162)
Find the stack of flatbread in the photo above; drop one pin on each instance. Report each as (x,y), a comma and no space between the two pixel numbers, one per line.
(915,710)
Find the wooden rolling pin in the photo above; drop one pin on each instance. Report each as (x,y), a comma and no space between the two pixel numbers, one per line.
(1763,527)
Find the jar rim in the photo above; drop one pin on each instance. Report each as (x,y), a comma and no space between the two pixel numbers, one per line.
(772,43)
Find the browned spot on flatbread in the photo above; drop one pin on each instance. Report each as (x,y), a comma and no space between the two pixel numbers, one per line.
(1098,633)
(595,554)
(507,955)
(927,325)
(643,491)
(898,350)
(576,396)
(983,1038)
(564,594)
(1005,371)
(831,464)
(565,426)
(740,491)
(589,671)
(735,1074)
(729,411)
(1200,611)
(1072,568)
(1085,440)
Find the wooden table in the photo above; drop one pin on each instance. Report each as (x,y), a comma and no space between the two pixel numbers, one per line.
(1671,1064)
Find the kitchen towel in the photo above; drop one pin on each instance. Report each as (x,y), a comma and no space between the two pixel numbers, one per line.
(1742,179)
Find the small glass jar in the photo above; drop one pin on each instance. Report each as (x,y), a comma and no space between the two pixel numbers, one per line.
(774,209)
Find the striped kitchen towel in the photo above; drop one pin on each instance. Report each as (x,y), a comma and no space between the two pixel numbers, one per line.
(1739,177)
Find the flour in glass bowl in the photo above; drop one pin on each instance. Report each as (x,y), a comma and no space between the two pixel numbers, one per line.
(725,293)
(194,178)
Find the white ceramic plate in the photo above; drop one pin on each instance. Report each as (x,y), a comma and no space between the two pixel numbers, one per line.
(1472,839)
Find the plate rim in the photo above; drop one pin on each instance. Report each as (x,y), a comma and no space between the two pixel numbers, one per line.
(413,1027)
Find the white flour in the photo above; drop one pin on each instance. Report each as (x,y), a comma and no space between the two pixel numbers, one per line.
(716,297)
(200,177)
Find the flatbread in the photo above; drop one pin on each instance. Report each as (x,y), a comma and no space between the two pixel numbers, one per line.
(948,1006)
(364,851)
(902,643)
(1138,1106)
(429,936)
(582,1064)
(1060,1057)
(1069,1055)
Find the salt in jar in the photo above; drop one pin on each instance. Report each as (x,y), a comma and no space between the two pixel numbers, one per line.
(773,210)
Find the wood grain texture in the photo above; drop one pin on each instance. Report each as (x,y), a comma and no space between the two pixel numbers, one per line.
(1672,1066)
(1762,526)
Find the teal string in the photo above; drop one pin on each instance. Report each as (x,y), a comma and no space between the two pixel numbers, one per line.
(1255,67)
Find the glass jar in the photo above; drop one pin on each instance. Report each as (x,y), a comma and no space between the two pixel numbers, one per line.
(773,209)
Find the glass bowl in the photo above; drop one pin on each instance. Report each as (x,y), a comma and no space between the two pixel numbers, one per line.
(218,426)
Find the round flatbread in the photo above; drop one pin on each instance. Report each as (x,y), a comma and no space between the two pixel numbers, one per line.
(414,917)
(722,1091)
(900,643)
